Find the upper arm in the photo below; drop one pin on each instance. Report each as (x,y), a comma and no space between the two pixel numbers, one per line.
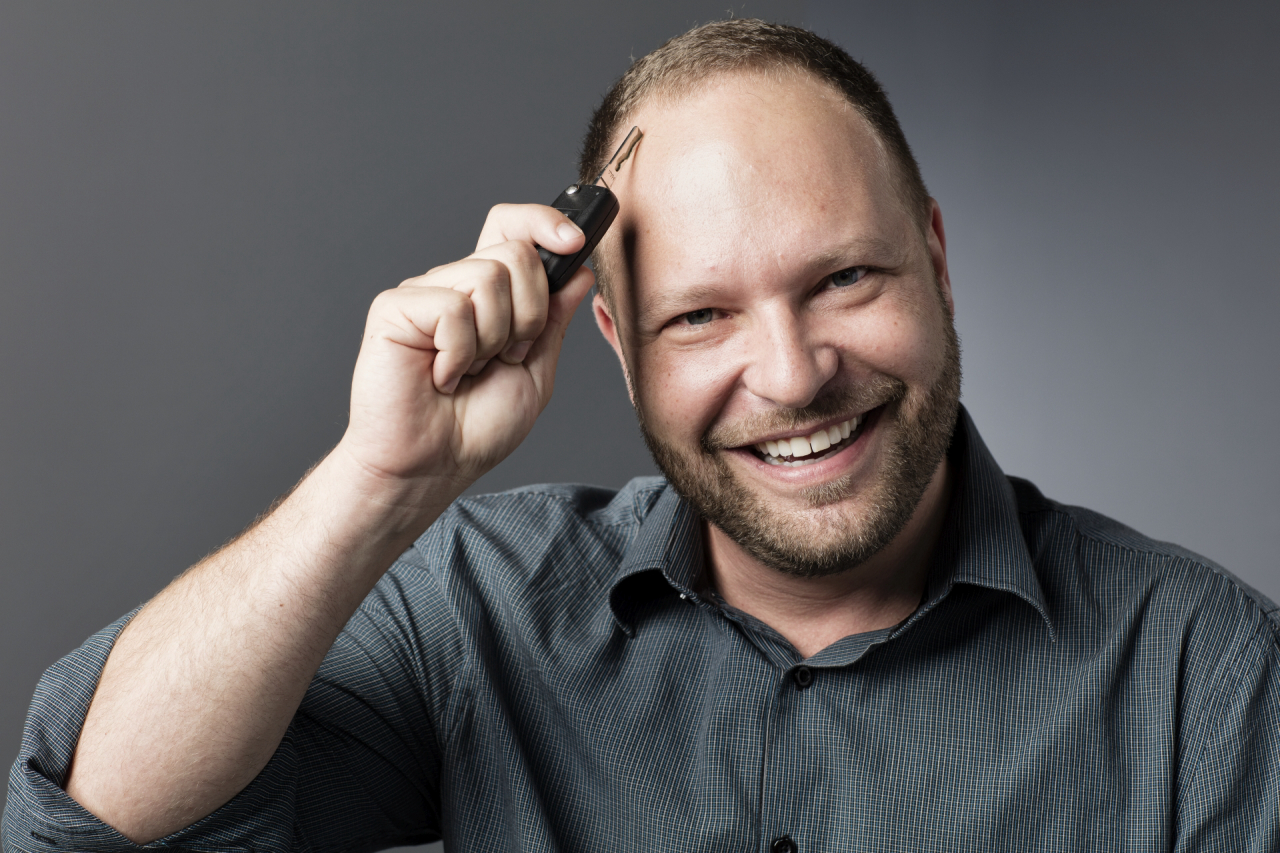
(1229,793)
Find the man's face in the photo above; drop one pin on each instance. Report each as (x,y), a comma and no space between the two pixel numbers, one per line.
(785,326)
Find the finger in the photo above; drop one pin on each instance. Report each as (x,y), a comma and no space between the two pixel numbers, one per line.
(432,319)
(530,223)
(454,338)
(486,281)
(489,286)
(527,295)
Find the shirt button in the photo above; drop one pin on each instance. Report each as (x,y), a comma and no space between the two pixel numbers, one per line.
(783,844)
(803,677)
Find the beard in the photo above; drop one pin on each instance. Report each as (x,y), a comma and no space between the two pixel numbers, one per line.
(825,538)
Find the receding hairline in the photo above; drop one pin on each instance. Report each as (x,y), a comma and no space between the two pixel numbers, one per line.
(671,90)
(686,62)
(663,98)
(666,94)
(673,97)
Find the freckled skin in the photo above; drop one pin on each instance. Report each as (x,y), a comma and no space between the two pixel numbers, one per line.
(743,200)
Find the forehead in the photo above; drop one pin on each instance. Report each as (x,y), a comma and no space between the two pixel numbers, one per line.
(751,174)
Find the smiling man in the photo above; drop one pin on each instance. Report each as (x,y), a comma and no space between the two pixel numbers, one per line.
(794,366)
(833,625)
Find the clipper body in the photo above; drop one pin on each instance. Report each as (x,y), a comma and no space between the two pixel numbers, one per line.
(592,208)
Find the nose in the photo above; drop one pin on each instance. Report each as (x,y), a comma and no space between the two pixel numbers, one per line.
(786,365)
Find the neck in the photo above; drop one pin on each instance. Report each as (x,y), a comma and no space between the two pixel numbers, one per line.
(813,613)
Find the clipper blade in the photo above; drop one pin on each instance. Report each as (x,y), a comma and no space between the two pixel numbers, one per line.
(611,169)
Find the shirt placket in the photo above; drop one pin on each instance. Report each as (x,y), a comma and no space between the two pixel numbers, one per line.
(788,769)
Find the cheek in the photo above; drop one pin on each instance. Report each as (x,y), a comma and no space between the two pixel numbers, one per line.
(898,338)
(682,392)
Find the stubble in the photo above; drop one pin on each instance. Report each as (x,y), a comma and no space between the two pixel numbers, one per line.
(825,538)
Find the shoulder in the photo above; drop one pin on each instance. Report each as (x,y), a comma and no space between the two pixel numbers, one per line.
(1099,571)
(561,504)
(533,518)
(525,562)
(547,534)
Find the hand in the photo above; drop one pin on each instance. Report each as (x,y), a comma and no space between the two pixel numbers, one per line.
(457,364)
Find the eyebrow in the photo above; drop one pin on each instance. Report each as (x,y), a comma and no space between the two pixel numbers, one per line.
(694,294)
(876,251)
(872,251)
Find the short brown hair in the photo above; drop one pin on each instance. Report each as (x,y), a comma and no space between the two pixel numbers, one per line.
(749,44)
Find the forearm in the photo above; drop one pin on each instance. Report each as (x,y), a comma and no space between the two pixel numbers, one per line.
(201,686)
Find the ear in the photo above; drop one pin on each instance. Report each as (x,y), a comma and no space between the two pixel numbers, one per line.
(937,239)
(608,328)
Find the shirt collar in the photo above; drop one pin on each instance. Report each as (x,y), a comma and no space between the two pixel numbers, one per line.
(666,556)
(981,541)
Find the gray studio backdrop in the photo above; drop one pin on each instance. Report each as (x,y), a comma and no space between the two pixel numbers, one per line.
(198,201)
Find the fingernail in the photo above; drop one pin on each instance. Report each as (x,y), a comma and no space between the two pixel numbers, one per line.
(567,231)
(517,351)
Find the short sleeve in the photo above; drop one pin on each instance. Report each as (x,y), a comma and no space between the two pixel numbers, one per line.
(358,768)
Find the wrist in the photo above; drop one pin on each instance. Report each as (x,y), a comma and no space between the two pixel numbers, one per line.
(391,504)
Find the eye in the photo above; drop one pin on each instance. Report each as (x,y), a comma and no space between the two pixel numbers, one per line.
(700,317)
(849,276)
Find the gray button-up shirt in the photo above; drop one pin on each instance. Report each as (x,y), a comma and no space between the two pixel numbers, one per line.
(540,672)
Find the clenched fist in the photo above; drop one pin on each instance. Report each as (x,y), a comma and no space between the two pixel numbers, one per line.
(457,364)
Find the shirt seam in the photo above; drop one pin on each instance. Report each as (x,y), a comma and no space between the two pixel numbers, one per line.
(563,499)
(1222,694)
(461,693)
(1168,561)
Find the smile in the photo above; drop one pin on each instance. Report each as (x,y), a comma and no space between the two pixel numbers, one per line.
(808,449)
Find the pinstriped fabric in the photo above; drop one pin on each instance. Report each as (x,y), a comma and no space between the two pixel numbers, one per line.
(540,673)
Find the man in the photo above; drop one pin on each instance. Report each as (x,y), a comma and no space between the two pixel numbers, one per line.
(834,625)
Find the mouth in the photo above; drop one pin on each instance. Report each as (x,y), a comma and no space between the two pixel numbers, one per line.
(808,449)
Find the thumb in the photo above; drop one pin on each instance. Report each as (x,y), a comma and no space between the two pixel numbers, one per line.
(545,352)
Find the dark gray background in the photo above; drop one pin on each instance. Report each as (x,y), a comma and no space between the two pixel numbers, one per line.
(198,201)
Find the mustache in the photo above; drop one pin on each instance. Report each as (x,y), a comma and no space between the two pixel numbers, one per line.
(847,401)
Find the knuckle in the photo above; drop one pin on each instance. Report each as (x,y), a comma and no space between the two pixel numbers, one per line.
(493,287)
(491,273)
(380,302)
(458,305)
(517,256)
(525,254)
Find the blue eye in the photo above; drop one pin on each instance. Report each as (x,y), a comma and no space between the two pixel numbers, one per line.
(700,317)
(849,276)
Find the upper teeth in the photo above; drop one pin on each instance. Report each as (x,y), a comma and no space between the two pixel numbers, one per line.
(804,445)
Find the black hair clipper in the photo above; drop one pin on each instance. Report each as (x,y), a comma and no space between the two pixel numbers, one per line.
(592,208)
